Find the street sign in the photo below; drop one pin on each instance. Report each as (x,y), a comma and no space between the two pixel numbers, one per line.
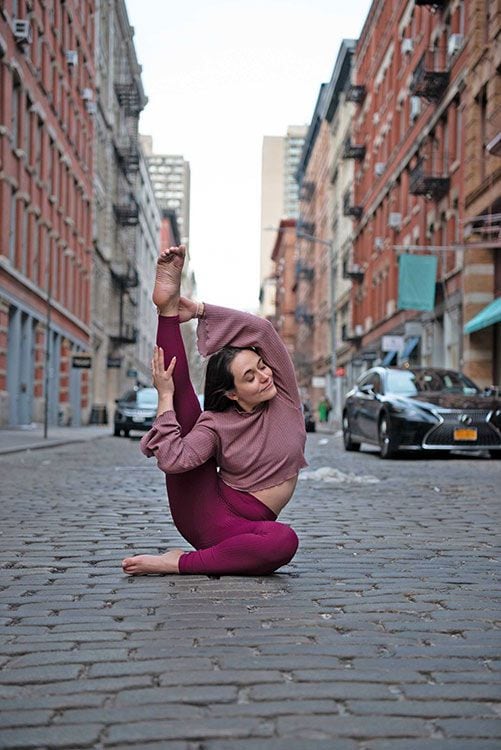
(114,362)
(318,381)
(132,373)
(340,372)
(392,344)
(81,361)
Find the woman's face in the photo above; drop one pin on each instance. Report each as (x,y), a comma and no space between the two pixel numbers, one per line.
(253,380)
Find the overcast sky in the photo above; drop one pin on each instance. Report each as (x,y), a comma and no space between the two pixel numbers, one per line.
(219,75)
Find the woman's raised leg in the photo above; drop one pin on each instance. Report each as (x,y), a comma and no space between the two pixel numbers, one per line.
(182,487)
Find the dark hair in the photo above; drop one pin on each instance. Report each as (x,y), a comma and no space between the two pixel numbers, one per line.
(219,378)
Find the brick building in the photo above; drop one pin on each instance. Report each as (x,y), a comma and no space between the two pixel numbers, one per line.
(46,166)
(407,146)
(123,211)
(338,113)
(283,257)
(313,272)
(482,222)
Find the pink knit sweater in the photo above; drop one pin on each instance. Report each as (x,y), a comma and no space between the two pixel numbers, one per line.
(254,450)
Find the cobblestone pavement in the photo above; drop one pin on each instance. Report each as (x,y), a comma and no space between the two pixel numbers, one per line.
(381,634)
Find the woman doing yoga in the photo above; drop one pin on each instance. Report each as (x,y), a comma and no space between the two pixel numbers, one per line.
(232,468)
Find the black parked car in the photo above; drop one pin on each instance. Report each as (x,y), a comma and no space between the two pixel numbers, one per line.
(136,410)
(420,408)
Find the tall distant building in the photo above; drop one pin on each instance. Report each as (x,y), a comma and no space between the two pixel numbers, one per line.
(293,146)
(170,175)
(279,199)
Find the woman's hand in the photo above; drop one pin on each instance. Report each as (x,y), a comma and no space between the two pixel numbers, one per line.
(162,378)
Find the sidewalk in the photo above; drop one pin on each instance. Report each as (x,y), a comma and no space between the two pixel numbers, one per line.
(31,437)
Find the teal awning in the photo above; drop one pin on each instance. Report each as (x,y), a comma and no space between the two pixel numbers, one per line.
(486,317)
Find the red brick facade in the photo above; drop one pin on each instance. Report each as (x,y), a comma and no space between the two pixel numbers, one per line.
(284,258)
(482,259)
(407,144)
(46,152)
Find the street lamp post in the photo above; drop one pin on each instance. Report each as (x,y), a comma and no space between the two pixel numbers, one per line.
(48,273)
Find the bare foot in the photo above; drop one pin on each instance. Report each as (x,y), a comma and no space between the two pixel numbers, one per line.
(147,564)
(168,280)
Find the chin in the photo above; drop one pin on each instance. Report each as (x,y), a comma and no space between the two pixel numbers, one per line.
(269,394)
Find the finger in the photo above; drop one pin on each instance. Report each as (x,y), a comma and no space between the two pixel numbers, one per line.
(171,366)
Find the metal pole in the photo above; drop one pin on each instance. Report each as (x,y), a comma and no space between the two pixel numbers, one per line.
(334,395)
(47,341)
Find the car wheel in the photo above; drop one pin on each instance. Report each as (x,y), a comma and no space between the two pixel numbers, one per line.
(117,431)
(386,439)
(126,433)
(349,444)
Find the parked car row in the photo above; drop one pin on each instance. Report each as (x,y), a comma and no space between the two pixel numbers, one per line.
(420,408)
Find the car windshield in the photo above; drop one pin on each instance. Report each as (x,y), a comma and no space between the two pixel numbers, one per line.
(147,397)
(409,382)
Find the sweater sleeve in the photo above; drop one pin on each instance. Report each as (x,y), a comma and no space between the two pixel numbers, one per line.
(221,326)
(176,454)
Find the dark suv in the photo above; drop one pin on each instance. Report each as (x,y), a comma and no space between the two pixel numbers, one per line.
(135,410)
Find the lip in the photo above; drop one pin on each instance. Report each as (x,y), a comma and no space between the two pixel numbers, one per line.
(267,387)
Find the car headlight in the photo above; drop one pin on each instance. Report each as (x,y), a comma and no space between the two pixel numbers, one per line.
(415,415)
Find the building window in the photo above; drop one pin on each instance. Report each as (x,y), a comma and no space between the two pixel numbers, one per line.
(27,126)
(12,226)
(35,259)
(15,120)
(486,20)
(24,239)
(482,103)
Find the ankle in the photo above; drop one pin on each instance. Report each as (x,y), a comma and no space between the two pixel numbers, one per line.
(169,311)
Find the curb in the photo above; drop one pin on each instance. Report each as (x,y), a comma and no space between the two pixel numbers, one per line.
(49,444)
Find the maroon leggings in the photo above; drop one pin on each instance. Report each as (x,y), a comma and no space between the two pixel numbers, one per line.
(232,531)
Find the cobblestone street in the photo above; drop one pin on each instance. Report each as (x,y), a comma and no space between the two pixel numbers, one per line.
(381,634)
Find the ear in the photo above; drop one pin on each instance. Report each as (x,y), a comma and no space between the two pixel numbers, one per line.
(231,395)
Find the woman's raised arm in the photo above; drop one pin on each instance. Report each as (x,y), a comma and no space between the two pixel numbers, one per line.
(222,326)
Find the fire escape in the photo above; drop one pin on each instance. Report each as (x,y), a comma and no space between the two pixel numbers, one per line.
(349,209)
(430,174)
(356,93)
(126,209)
(352,151)
(431,76)
(434,3)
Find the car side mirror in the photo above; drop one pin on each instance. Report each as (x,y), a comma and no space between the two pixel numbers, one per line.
(368,389)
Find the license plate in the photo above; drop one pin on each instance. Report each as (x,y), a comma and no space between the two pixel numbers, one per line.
(138,419)
(465,434)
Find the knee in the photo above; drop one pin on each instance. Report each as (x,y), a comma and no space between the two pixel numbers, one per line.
(292,543)
(285,544)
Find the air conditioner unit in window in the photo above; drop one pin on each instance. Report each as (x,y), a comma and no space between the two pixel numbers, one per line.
(379,168)
(454,44)
(379,243)
(407,45)
(22,31)
(71,56)
(91,107)
(359,330)
(394,220)
(87,95)
(415,107)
